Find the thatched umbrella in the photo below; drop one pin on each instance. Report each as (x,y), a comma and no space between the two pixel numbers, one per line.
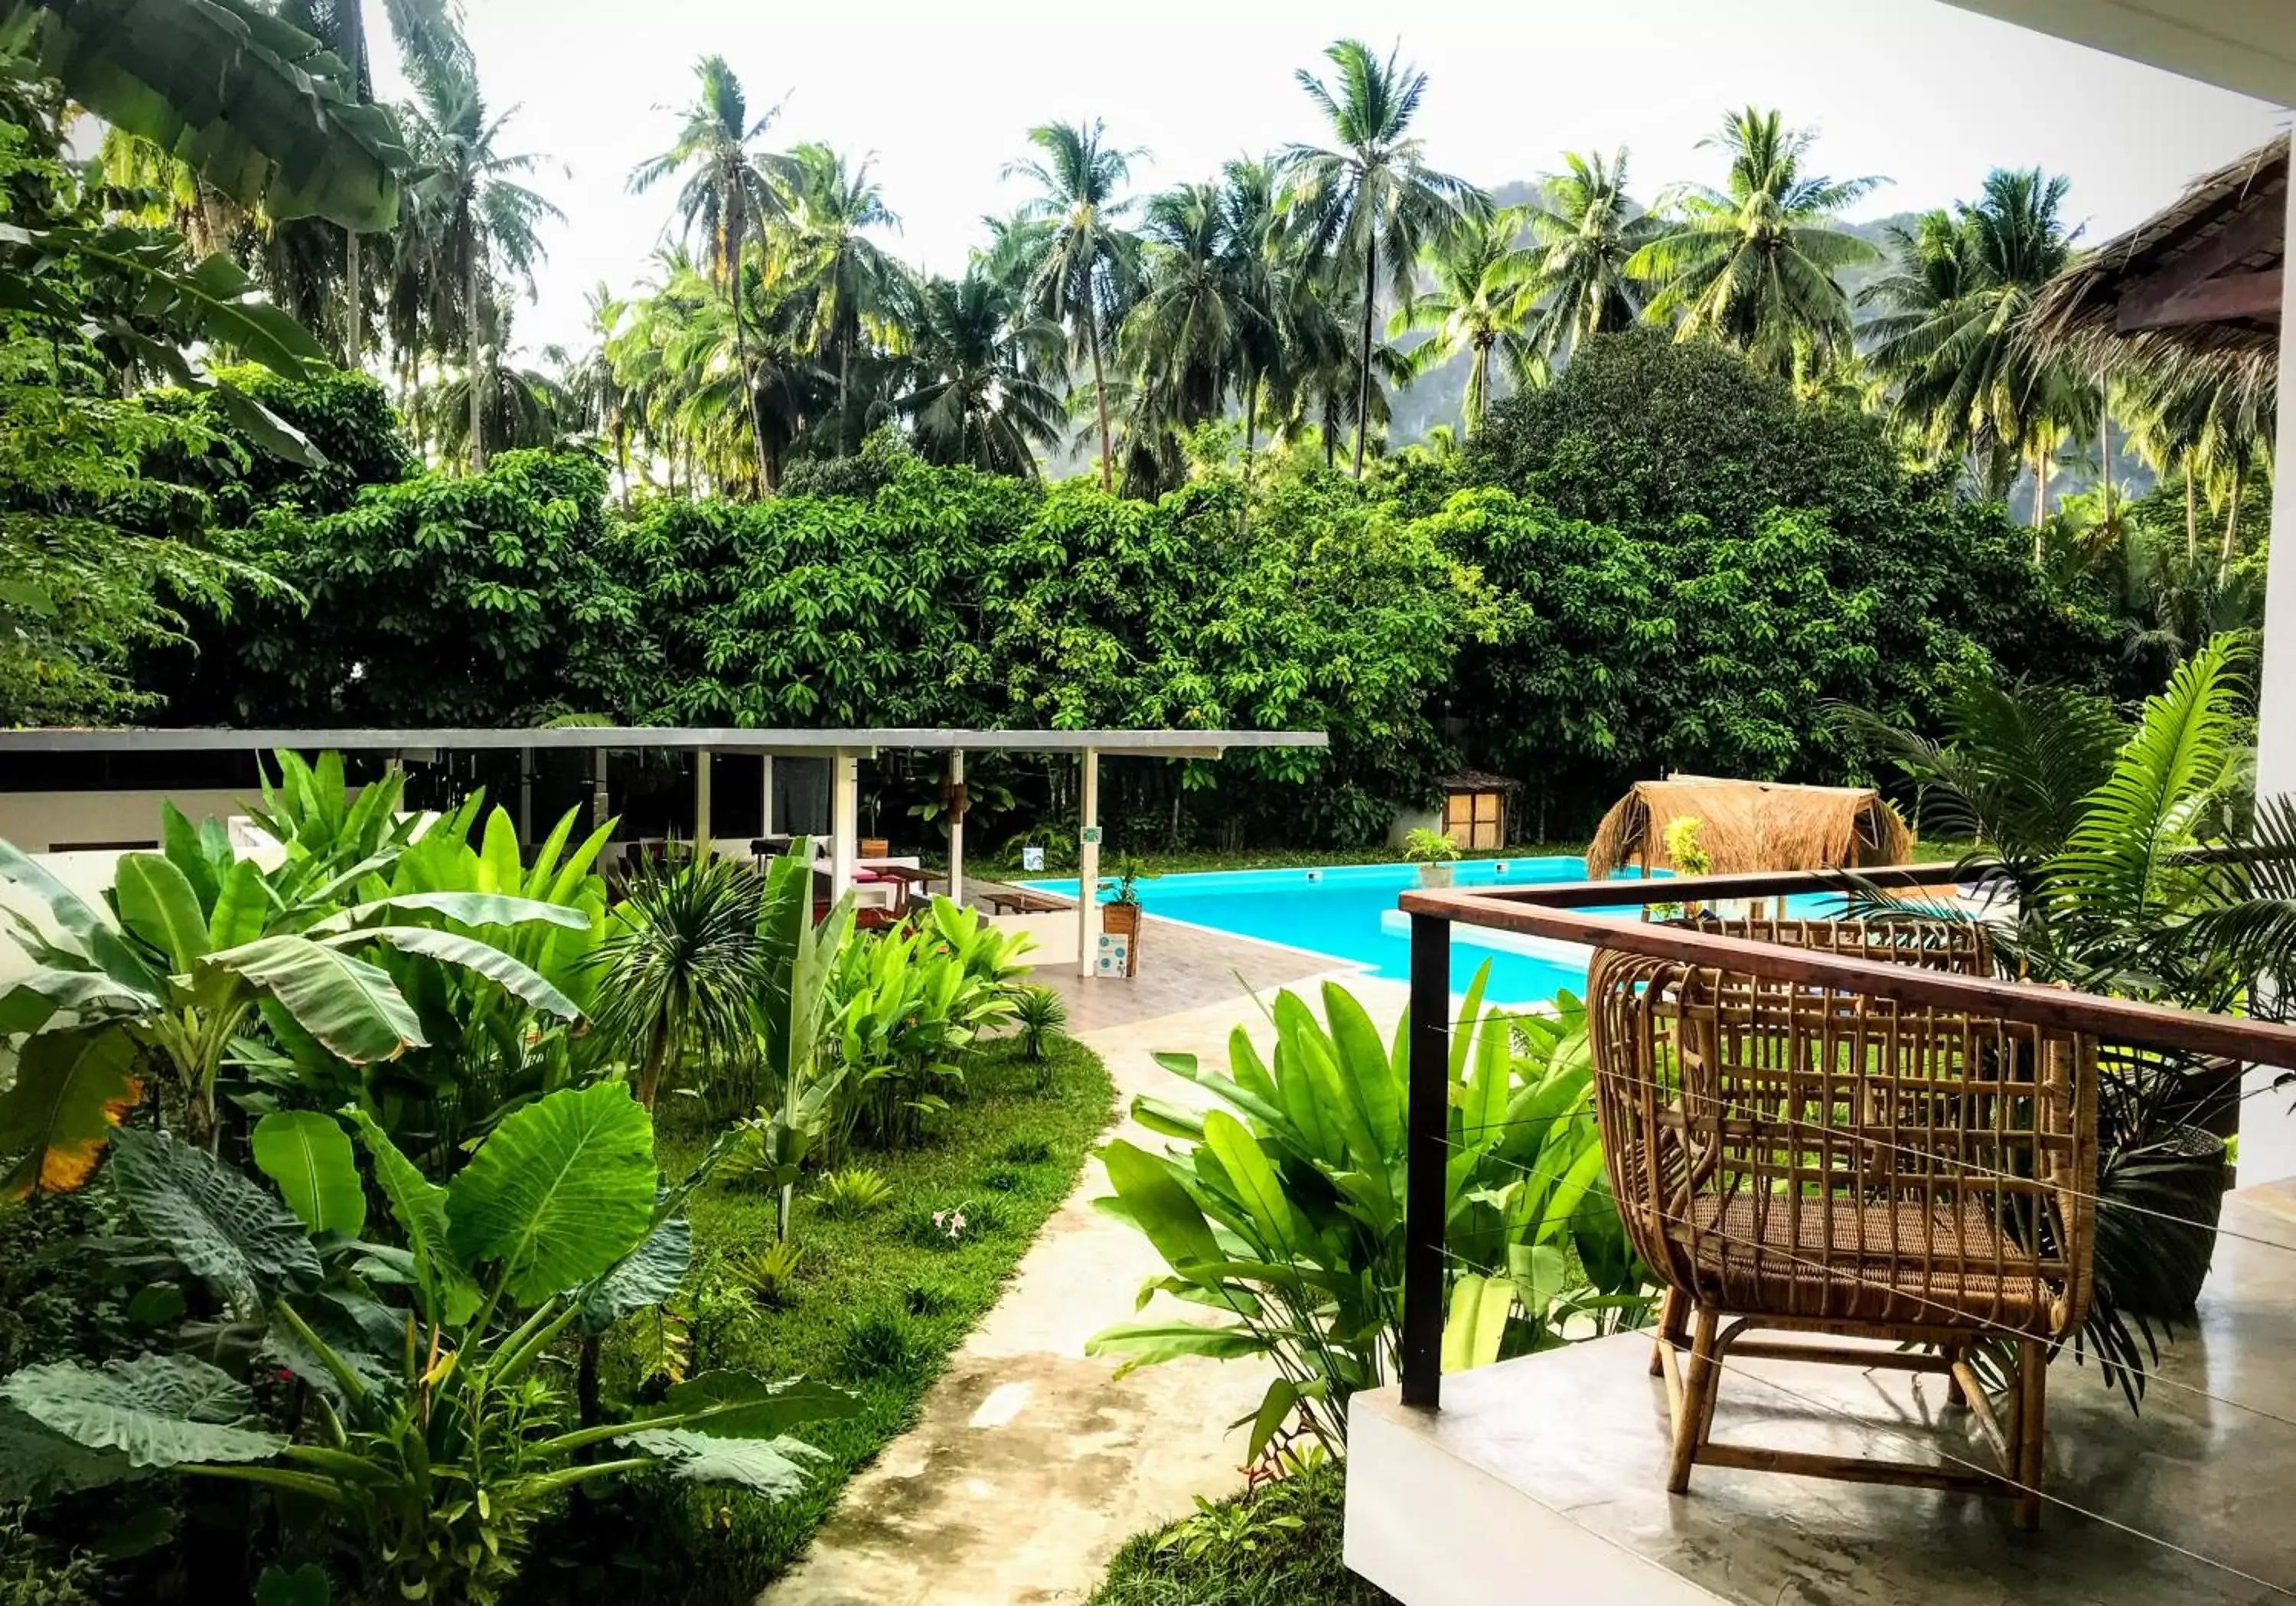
(1749,825)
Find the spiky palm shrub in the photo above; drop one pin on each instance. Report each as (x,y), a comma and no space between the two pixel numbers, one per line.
(681,962)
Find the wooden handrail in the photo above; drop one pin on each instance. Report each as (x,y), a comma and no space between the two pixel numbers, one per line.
(1568,912)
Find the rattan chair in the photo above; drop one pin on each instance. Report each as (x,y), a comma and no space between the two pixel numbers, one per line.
(1792,1157)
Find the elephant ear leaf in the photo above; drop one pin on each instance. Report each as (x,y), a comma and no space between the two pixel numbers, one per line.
(773,1468)
(644,1278)
(420,1207)
(309,1157)
(71,1089)
(740,1404)
(37,1463)
(158,1411)
(158,903)
(561,1192)
(217,1222)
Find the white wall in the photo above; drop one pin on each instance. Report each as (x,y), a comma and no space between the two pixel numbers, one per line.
(36,821)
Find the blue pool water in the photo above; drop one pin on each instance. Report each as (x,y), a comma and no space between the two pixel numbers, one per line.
(1349,912)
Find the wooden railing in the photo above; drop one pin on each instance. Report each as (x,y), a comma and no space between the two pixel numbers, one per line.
(1573,912)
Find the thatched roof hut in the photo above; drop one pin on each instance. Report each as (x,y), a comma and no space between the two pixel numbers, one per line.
(1751,825)
(2191,295)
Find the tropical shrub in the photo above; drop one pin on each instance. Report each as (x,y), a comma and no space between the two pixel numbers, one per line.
(193,946)
(906,1004)
(2090,829)
(1287,1215)
(426,1433)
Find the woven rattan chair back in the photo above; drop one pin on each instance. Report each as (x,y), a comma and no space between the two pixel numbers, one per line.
(1797,1155)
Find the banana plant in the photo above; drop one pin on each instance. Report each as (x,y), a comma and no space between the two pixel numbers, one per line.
(192,945)
(426,1427)
(488,1050)
(792,1013)
(1283,1211)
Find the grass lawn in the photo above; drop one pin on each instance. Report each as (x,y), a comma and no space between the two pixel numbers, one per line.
(878,1303)
(1251,1554)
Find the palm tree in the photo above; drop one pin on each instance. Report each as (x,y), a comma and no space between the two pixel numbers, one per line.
(596,390)
(850,279)
(1263,242)
(1951,334)
(1590,230)
(1484,295)
(1081,263)
(729,195)
(428,36)
(1203,314)
(479,224)
(1374,201)
(1753,263)
(980,362)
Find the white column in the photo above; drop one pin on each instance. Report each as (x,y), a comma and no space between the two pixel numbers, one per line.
(598,790)
(526,796)
(1088,866)
(701,767)
(956,824)
(765,795)
(2268,1129)
(844,822)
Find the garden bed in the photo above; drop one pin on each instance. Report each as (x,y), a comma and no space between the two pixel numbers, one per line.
(1280,1548)
(878,1303)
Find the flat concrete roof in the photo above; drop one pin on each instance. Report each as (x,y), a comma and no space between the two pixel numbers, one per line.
(1150,744)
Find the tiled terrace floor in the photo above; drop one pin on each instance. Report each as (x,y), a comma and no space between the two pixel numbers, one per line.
(1565,1452)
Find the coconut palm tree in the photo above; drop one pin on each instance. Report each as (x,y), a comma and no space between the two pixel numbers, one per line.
(1950,332)
(1590,230)
(1203,310)
(1484,295)
(480,229)
(729,195)
(1753,263)
(429,36)
(1081,264)
(1374,201)
(849,280)
(596,390)
(1263,239)
(979,362)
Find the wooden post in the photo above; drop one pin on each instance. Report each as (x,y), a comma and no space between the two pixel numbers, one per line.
(956,824)
(701,778)
(1427,1116)
(1088,866)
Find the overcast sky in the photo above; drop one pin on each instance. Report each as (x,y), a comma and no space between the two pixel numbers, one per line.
(942,95)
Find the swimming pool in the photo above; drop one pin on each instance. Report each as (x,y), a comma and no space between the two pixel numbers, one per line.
(1349,911)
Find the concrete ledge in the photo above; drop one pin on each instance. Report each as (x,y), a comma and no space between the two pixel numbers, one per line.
(1431,1526)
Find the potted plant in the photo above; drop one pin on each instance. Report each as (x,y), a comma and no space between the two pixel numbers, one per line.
(1434,854)
(1120,916)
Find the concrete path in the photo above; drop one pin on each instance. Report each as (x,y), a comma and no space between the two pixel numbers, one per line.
(1030,1466)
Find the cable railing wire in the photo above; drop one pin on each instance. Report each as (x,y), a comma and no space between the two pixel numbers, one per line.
(1895,1290)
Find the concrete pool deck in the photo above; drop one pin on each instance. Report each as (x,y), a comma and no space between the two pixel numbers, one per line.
(1030,1464)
